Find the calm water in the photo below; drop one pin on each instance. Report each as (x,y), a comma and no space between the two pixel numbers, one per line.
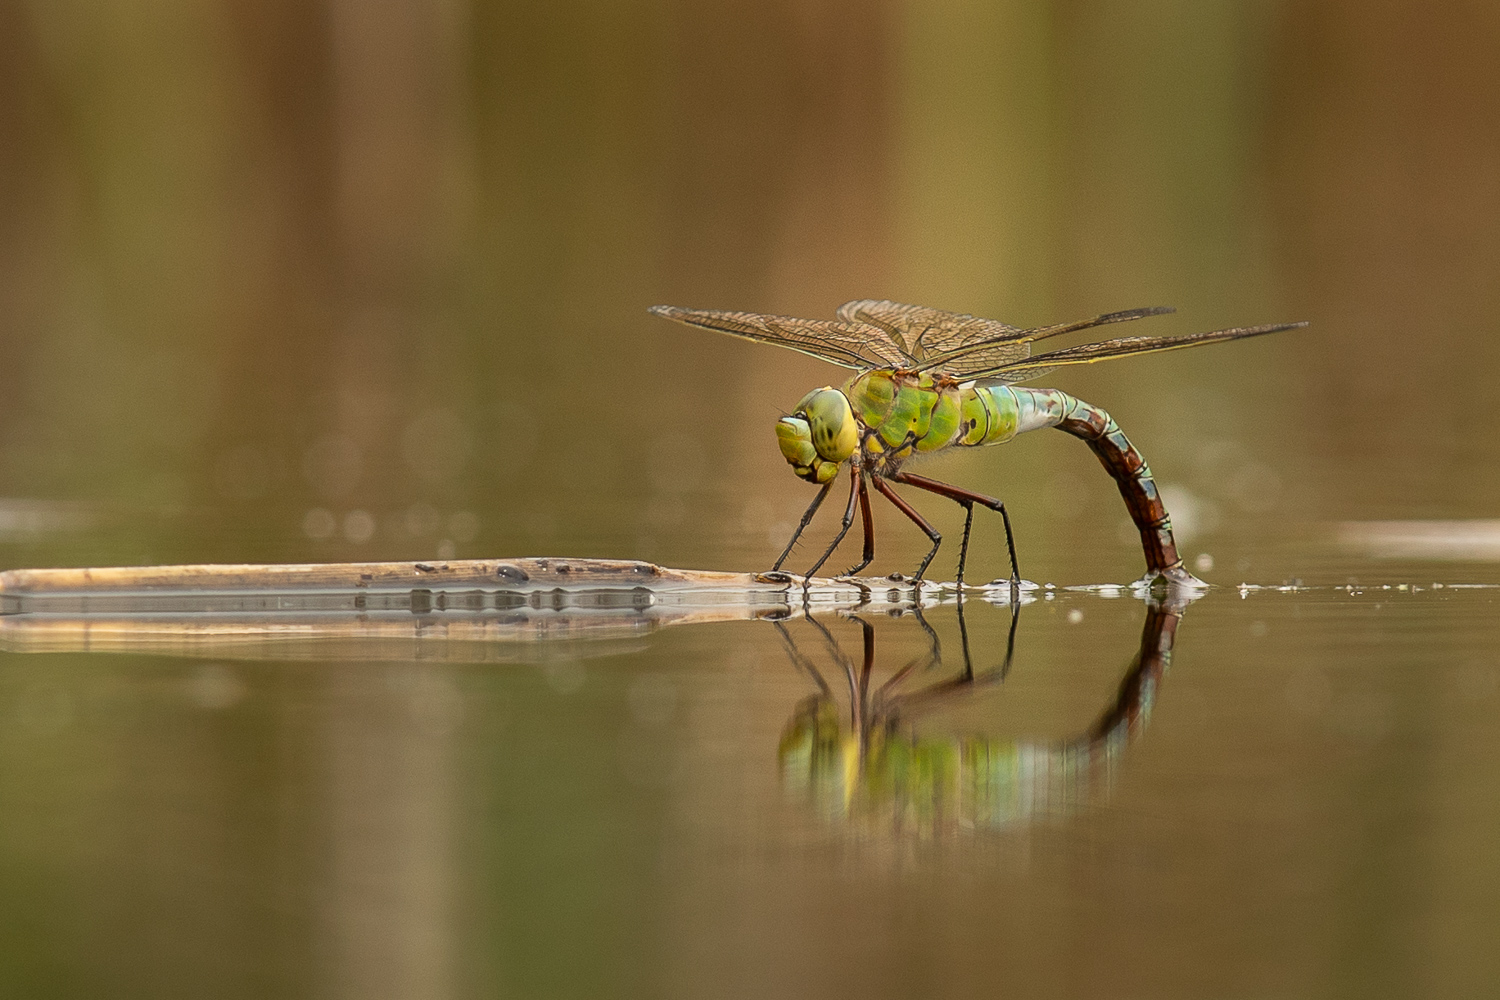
(291,282)
(1298,799)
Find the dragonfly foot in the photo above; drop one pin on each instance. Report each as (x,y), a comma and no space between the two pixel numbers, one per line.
(773,576)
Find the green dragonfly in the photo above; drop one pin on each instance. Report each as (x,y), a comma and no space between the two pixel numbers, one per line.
(927,380)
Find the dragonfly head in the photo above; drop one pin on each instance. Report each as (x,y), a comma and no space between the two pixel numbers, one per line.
(819,435)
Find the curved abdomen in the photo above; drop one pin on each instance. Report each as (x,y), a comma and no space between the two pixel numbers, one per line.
(995,414)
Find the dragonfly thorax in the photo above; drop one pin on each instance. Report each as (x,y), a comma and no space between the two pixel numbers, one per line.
(904,413)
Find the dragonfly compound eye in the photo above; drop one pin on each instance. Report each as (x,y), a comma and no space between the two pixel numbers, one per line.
(835,434)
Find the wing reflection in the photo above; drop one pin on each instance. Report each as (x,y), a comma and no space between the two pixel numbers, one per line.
(869,762)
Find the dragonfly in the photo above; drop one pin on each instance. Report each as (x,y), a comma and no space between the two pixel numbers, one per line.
(927,380)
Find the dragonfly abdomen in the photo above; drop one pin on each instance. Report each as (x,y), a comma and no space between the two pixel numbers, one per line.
(993,414)
(1131,474)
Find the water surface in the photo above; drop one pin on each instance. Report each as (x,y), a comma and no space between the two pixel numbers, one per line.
(1297,799)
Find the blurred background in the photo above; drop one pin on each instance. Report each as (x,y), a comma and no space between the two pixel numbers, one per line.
(290,281)
(285,281)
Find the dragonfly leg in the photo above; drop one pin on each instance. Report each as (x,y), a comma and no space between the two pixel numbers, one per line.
(963,626)
(967,499)
(917,519)
(963,548)
(866,670)
(807,517)
(1003,670)
(869,526)
(803,663)
(847,521)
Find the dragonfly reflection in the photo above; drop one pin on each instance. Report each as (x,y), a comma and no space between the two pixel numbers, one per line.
(870,762)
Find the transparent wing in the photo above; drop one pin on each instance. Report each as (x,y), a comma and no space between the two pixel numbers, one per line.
(852,345)
(1034,367)
(923,332)
(984,355)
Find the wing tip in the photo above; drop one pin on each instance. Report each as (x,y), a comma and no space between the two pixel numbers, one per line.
(1275,327)
(1124,315)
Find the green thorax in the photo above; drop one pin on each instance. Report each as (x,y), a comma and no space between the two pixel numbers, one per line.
(905,413)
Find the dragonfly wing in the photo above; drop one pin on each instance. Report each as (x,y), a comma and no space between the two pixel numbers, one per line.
(852,345)
(1123,316)
(924,332)
(1084,354)
(985,355)
(1024,373)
